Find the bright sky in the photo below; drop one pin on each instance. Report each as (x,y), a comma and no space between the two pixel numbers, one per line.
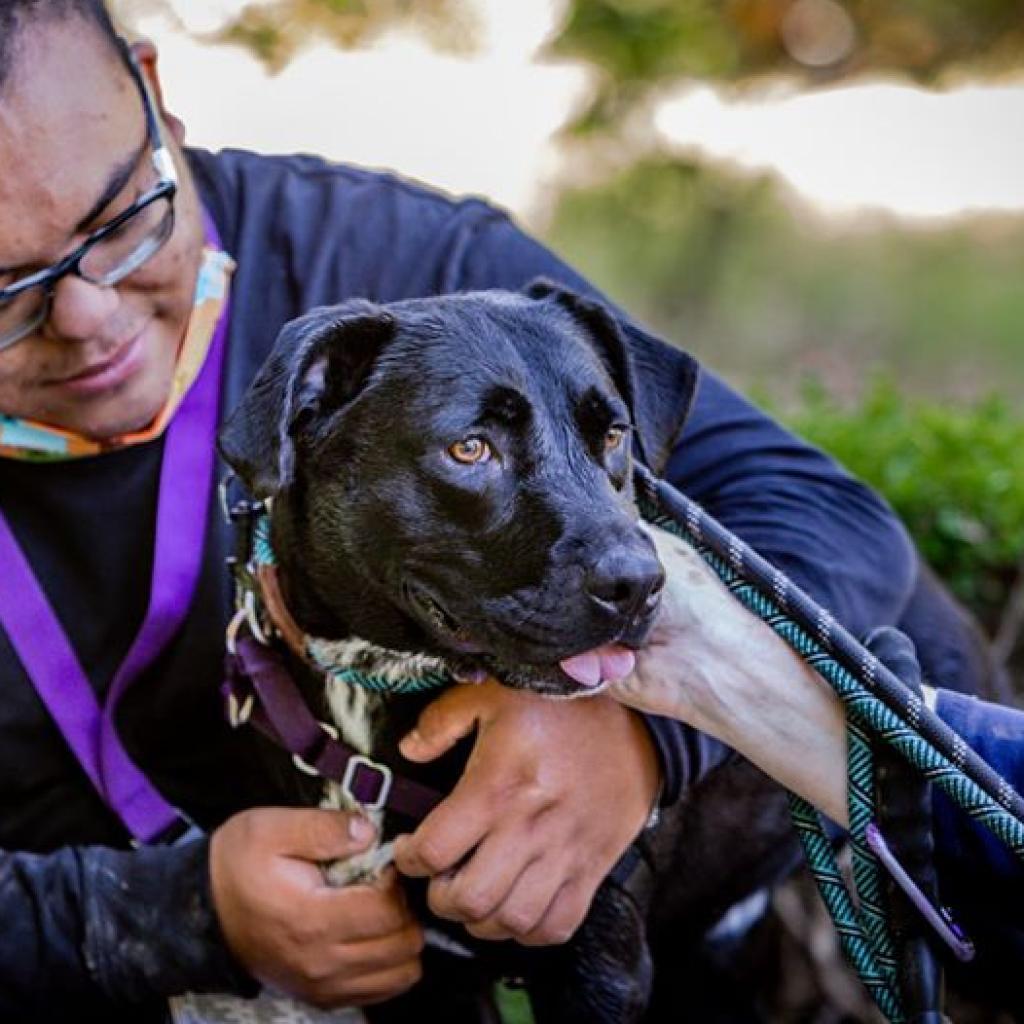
(484,124)
(480,125)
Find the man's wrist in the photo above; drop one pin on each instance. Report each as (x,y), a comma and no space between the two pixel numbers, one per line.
(150,926)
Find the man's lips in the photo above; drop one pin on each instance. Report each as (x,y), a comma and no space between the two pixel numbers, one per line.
(104,374)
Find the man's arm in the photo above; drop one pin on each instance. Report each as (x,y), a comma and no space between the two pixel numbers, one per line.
(91,930)
(712,663)
(982,871)
(87,929)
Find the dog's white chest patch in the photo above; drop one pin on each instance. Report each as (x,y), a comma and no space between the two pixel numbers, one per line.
(351,710)
(355,712)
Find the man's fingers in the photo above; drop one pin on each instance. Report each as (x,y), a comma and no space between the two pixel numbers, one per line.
(445,836)
(525,907)
(481,886)
(361,912)
(381,954)
(564,915)
(376,988)
(441,725)
(310,833)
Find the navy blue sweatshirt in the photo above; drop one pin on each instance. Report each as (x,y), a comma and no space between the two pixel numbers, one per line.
(306,233)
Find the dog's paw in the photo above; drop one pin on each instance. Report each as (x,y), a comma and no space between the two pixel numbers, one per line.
(362,869)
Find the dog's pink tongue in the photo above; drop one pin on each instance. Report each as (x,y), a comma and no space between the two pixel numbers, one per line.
(608,663)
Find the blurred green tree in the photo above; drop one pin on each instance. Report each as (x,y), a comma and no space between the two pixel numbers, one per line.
(275,30)
(638,46)
(646,42)
(954,474)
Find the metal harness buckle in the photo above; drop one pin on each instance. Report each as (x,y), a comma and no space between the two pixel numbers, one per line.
(384,780)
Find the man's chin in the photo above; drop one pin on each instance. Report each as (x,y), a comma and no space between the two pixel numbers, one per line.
(112,418)
(118,424)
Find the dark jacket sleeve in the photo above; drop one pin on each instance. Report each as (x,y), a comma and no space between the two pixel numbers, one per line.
(980,880)
(832,535)
(974,864)
(87,931)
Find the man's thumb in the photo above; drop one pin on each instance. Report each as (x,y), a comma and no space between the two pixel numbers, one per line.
(440,726)
(328,835)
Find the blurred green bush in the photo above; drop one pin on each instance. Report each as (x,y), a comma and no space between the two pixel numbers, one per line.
(954,474)
(762,292)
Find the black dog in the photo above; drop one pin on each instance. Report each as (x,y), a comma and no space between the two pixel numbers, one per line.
(451,476)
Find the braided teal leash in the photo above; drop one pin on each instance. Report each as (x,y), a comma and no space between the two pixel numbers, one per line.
(877,704)
(860,925)
(867,872)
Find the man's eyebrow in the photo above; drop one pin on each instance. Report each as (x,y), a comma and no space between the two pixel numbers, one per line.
(116,181)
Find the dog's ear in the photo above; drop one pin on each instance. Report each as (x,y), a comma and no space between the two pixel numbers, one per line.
(656,380)
(319,362)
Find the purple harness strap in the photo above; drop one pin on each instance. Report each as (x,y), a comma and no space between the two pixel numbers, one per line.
(258,673)
(42,646)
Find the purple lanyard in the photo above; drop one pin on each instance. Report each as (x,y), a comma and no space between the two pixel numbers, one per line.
(186,480)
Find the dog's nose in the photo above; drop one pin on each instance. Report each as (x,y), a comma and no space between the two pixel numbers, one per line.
(627,582)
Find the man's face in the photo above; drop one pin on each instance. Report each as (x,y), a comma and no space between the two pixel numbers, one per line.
(74,154)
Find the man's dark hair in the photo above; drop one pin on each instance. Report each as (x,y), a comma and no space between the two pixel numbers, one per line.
(17,14)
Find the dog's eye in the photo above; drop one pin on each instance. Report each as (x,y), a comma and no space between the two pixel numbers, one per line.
(470,450)
(613,438)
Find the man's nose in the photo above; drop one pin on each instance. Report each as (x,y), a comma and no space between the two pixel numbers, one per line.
(79,309)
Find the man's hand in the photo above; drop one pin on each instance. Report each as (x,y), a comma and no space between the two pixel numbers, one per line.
(329,947)
(552,795)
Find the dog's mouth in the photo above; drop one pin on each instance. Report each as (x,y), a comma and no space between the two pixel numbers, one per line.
(605,664)
(584,671)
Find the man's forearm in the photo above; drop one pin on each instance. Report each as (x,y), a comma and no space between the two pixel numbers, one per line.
(89,929)
(783,719)
(715,666)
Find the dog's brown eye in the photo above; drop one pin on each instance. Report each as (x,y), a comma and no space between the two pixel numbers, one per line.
(470,450)
(613,438)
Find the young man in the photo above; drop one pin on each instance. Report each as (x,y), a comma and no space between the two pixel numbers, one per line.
(124,328)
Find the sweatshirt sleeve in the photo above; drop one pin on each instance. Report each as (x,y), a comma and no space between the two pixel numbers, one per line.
(91,930)
(980,880)
(972,860)
(832,535)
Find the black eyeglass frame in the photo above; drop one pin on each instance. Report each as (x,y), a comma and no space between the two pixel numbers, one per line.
(166,186)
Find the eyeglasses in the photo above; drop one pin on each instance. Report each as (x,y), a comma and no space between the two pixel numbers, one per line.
(110,253)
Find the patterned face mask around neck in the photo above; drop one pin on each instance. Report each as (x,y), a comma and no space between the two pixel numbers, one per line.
(38,442)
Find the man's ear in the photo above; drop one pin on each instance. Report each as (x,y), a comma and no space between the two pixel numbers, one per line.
(145,53)
(319,363)
(656,380)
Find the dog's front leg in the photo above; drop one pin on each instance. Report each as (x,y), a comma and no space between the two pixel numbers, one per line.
(603,974)
(365,867)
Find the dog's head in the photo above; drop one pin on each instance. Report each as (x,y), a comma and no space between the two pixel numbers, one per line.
(452,475)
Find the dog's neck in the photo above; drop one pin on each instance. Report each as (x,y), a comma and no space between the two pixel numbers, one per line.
(318,604)
(348,676)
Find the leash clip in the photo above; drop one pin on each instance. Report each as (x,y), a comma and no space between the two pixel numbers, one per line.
(939,918)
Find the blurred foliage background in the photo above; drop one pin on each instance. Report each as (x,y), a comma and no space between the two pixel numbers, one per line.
(727,264)
(796,308)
